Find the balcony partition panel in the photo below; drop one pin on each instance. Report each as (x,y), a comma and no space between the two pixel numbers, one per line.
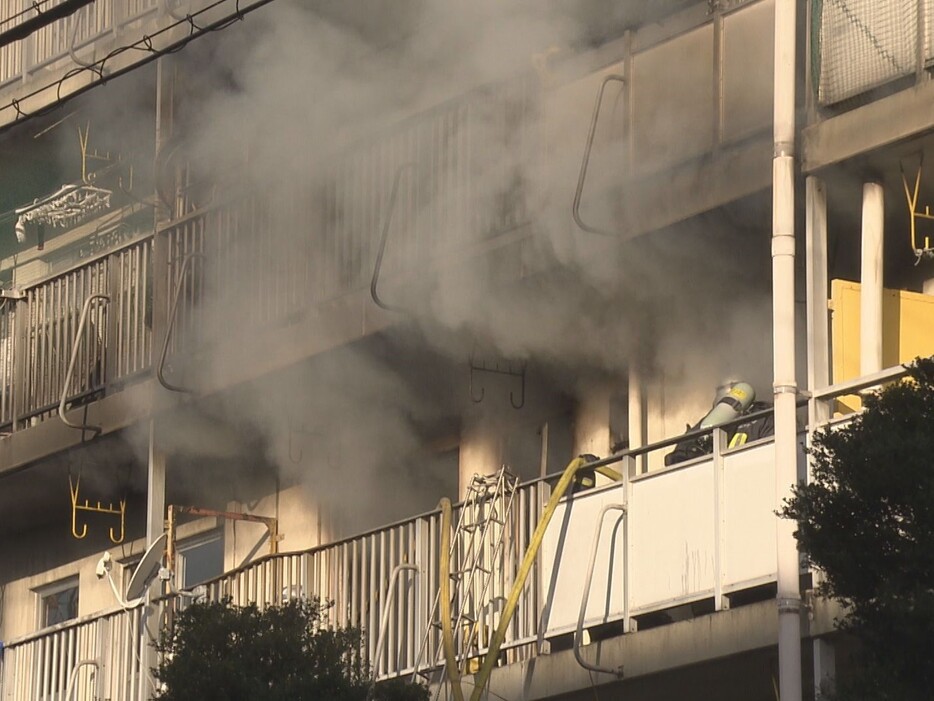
(858,45)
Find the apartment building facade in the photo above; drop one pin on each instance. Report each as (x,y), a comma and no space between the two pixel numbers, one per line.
(275,277)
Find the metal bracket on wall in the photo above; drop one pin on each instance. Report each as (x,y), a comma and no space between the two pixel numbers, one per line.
(272,527)
(295,450)
(76,346)
(585,163)
(73,487)
(911,194)
(495,368)
(393,198)
(173,316)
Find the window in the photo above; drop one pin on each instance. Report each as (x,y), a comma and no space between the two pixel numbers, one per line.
(127,568)
(200,560)
(58,602)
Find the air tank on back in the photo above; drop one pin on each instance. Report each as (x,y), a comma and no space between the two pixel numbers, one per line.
(737,399)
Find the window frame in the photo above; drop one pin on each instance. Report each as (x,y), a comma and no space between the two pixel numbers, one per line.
(44,592)
(196,541)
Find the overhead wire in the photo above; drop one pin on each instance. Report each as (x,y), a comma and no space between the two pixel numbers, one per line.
(144,44)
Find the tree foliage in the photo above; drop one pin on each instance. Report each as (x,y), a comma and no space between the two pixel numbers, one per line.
(221,652)
(867,521)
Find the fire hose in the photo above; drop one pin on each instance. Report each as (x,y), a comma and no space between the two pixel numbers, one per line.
(447,631)
(522,575)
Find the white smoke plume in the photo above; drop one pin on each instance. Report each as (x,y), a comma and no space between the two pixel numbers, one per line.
(314,109)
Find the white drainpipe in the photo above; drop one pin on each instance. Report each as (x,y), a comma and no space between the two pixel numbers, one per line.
(783,333)
(870,299)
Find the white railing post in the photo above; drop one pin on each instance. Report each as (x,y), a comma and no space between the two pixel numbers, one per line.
(718,438)
(630,465)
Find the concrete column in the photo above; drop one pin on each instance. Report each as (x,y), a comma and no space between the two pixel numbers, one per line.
(155,488)
(636,415)
(481,451)
(870,317)
(592,432)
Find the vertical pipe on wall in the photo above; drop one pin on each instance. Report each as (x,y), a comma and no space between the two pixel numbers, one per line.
(783,331)
(870,299)
(818,321)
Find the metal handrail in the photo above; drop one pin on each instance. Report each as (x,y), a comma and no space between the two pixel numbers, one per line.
(588,581)
(585,163)
(71,364)
(173,315)
(393,197)
(74,675)
(860,383)
(384,618)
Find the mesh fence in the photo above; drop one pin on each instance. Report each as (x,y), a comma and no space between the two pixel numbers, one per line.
(865,43)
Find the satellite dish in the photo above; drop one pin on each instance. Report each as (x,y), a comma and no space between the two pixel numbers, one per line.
(147,569)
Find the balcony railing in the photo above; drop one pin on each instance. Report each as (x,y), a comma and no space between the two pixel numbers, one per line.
(39,332)
(271,257)
(43,666)
(57,40)
(701,530)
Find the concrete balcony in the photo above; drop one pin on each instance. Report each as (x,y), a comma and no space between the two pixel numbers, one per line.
(679,545)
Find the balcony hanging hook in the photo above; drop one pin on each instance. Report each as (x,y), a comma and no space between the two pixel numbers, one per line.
(122,536)
(73,486)
(521,403)
(495,369)
(117,541)
(295,460)
(911,195)
(475,400)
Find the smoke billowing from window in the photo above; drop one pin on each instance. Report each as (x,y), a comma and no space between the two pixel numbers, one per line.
(301,118)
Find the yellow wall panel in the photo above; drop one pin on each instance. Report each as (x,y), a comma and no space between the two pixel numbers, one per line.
(907,327)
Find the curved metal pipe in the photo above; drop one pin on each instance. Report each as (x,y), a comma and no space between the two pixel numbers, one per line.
(173,314)
(71,364)
(374,282)
(585,163)
(74,675)
(71,44)
(384,619)
(579,631)
(170,11)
